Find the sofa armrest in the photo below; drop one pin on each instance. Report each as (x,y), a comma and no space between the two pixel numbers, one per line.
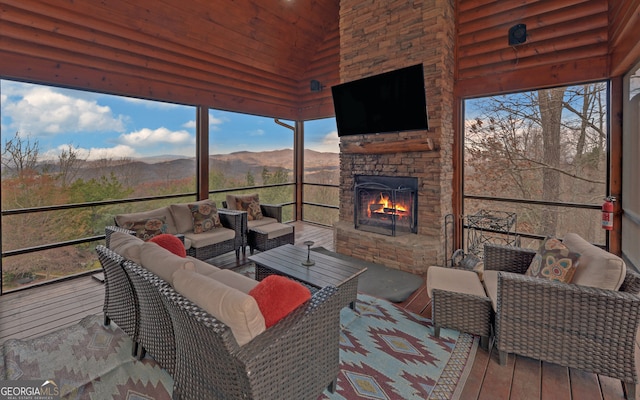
(109,230)
(571,325)
(272,210)
(507,258)
(232,219)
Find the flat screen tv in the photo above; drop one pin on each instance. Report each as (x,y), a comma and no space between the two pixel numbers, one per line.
(390,102)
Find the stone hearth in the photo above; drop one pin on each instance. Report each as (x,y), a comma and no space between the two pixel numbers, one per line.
(381,37)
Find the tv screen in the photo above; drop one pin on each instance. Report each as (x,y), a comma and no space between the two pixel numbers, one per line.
(389,102)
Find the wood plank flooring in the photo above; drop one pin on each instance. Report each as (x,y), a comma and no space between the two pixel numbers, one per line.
(36,311)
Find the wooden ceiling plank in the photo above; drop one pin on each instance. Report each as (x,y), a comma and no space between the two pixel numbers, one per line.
(141,42)
(27,68)
(537,77)
(118,21)
(556,31)
(550,59)
(272,36)
(540,15)
(469,44)
(176,75)
(113,49)
(554,45)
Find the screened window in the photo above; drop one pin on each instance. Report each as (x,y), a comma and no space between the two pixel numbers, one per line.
(541,155)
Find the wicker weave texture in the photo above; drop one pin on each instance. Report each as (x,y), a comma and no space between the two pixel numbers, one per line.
(572,325)
(155,331)
(120,304)
(295,359)
(462,312)
(258,240)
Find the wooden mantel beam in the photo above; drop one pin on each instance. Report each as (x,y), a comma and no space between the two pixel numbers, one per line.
(401,146)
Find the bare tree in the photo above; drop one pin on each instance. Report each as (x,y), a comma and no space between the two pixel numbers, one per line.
(20,155)
(548,145)
(69,165)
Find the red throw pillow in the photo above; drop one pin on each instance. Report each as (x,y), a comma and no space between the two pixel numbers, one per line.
(171,243)
(277,296)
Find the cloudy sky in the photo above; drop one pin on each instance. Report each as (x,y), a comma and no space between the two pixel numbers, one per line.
(104,126)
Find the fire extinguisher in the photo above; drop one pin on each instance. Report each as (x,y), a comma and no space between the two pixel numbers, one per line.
(607,213)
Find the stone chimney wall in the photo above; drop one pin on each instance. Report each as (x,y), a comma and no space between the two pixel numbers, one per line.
(377,37)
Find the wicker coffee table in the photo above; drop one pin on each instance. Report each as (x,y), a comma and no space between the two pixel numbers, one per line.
(328,271)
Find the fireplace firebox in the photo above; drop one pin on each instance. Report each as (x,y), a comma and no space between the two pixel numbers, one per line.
(386,205)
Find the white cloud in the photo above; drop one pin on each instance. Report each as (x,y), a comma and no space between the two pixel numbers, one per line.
(42,111)
(329,143)
(151,104)
(189,124)
(146,136)
(95,153)
(215,122)
(256,132)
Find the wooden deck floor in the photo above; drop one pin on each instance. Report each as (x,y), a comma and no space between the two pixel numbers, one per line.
(36,311)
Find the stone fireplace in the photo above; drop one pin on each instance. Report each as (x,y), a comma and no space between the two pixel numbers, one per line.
(381,37)
(387,205)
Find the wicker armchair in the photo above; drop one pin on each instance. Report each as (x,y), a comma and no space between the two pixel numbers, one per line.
(120,303)
(270,211)
(295,359)
(571,325)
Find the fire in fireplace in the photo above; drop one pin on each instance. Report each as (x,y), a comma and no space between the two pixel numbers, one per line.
(386,204)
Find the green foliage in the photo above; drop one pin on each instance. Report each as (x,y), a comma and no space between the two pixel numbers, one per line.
(103,188)
(251,180)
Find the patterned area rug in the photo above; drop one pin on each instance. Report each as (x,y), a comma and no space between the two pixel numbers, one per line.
(385,353)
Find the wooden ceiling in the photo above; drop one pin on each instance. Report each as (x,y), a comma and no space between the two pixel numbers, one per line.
(255,56)
(258,56)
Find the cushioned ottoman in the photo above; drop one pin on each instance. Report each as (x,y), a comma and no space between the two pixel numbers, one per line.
(459,302)
(267,237)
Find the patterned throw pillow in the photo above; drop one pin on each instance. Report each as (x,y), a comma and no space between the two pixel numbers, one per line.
(554,261)
(147,228)
(205,216)
(250,204)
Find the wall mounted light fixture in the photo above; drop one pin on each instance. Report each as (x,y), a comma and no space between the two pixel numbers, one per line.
(316,86)
(517,34)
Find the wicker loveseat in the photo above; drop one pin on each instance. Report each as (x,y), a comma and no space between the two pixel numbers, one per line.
(177,219)
(573,325)
(298,357)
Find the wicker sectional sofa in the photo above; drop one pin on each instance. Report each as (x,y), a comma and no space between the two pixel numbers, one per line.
(199,323)
(177,219)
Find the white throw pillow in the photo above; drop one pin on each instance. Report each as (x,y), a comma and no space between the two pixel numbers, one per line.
(597,267)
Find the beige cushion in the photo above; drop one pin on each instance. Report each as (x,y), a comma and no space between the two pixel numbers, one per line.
(454,280)
(491,286)
(260,222)
(273,230)
(183,216)
(218,235)
(235,280)
(124,219)
(597,267)
(162,262)
(126,245)
(237,310)
(202,267)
